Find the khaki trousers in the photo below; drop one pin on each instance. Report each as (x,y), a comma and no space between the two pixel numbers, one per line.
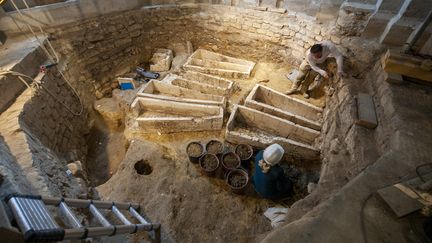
(305,70)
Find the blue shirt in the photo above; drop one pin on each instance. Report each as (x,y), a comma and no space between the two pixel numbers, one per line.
(273,184)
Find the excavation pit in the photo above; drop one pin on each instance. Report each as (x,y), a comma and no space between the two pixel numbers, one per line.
(214,147)
(244,151)
(237,180)
(203,83)
(168,117)
(99,42)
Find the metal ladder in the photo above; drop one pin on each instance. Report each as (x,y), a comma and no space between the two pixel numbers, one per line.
(37,224)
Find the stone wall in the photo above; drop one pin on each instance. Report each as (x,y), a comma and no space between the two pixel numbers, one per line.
(98,49)
(71,11)
(46,117)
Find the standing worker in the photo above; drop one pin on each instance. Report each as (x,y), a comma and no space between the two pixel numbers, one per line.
(269,178)
(317,59)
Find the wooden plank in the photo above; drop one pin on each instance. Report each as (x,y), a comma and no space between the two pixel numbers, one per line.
(366,115)
(410,195)
(399,202)
(406,65)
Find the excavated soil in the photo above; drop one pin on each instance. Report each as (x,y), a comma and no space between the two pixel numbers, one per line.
(142,167)
(194,150)
(214,147)
(106,150)
(237,180)
(209,162)
(231,161)
(243,151)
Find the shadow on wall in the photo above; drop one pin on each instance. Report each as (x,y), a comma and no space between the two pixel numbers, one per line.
(51,115)
(106,150)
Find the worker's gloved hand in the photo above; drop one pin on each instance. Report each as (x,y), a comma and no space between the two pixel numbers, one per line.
(342,74)
(326,75)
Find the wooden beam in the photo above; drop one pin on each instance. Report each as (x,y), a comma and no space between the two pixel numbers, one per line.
(406,65)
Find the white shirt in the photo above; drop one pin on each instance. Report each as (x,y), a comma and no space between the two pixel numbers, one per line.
(329,50)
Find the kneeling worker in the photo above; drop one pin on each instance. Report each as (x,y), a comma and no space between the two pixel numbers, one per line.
(269,178)
(317,60)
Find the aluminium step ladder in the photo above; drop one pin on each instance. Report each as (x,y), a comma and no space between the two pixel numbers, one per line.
(37,224)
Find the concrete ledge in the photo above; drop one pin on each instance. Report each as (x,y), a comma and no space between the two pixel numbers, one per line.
(155,115)
(277,104)
(158,90)
(259,129)
(213,63)
(22,55)
(203,83)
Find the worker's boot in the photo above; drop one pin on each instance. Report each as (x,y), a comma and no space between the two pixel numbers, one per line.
(294,88)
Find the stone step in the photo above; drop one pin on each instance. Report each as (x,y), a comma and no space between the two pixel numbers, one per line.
(260,129)
(155,115)
(278,104)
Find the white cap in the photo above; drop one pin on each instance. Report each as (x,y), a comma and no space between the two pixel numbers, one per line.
(273,154)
